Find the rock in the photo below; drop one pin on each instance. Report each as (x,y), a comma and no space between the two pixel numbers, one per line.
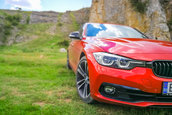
(63,50)
(1,43)
(153,22)
(41,56)
(43,17)
(11,39)
(68,18)
(168,10)
(82,15)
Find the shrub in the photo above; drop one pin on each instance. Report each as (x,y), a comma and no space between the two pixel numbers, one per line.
(7,32)
(164,2)
(59,19)
(63,43)
(60,24)
(9,22)
(139,5)
(13,19)
(22,26)
(170,24)
(28,20)
(7,28)
(17,17)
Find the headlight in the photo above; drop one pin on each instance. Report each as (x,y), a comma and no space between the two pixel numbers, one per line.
(116,61)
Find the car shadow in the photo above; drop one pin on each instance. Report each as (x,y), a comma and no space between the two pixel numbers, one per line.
(132,110)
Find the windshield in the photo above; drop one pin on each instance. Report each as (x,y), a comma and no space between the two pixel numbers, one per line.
(112,31)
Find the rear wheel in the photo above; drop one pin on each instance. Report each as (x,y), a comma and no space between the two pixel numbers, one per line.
(68,64)
(83,83)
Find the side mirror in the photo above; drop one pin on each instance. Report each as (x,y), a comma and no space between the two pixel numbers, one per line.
(74,35)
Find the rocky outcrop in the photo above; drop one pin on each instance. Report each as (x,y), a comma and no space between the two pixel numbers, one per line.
(43,17)
(82,16)
(153,22)
(1,26)
(72,20)
(168,9)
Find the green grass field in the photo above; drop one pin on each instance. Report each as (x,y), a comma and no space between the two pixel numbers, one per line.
(34,80)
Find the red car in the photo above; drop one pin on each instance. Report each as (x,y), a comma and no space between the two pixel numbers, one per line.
(119,64)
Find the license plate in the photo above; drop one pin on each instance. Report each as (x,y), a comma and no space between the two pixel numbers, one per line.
(167,88)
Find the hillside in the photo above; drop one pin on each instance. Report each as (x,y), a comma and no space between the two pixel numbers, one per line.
(21,26)
(153,17)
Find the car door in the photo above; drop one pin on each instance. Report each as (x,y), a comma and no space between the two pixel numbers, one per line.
(75,50)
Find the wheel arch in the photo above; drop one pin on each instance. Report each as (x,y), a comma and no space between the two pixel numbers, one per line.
(82,55)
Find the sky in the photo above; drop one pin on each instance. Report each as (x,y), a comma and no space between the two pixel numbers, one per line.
(45,5)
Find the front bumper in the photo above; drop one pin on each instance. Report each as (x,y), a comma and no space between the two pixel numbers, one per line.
(149,85)
(133,95)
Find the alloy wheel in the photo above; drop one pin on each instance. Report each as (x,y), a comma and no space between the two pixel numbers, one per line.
(83,83)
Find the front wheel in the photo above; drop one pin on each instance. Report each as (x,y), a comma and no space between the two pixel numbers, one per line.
(83,83)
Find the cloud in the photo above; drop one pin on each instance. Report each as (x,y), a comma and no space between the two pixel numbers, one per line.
(25,4)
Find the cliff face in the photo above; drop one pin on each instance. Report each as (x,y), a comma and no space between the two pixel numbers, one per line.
(153,22)
(43,17)
(168,9)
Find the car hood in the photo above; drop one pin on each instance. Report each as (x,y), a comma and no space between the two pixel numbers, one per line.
(136,48)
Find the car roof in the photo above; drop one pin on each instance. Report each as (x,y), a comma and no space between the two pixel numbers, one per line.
(104,23)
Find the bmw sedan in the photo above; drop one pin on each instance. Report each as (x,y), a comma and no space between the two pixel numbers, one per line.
(120,65)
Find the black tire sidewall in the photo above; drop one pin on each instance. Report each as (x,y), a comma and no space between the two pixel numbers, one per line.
(68,64)
(89,99)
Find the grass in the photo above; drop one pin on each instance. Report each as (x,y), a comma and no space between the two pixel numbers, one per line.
(38,82)
(34,80)
(59,19)
(74,22)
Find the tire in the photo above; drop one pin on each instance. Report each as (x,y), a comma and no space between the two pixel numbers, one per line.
(68,64)
(82,81)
